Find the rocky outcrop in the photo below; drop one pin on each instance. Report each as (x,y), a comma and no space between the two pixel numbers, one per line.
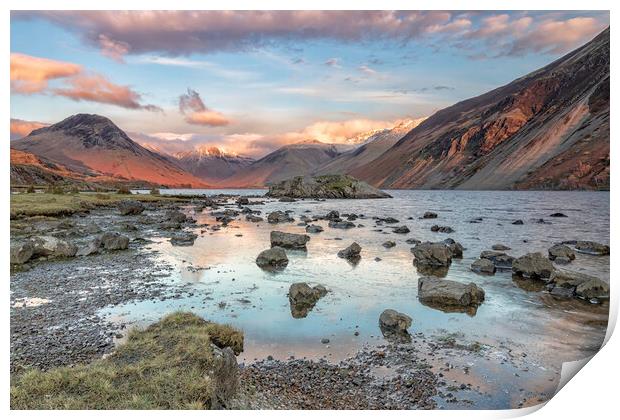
(325,186)
(272,259)
(289,240)
(533,266)
(434,291)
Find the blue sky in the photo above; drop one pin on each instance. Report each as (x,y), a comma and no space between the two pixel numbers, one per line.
(261,80)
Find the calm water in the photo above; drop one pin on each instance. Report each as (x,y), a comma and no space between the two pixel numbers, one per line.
(514,313)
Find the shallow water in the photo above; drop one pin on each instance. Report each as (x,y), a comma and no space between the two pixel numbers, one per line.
(515,313)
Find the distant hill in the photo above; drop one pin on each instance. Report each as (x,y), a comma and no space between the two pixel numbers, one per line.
(211,164)
(93,146)
(546,130)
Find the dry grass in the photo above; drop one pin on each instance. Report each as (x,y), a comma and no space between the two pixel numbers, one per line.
(47,204)
(169,365)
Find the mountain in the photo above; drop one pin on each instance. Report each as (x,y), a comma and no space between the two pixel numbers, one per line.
(286,162)
(364,137)
(93,146)
(211,164)
(370,149)
(546,130)
(28,169)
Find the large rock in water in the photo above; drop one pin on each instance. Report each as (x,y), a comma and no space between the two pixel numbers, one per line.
(289,240)
(435,291)
(394,321)
(432,254)
(533,266)
(272,259)
(303,298)
(325,186)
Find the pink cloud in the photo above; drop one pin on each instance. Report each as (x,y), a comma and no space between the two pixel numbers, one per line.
(21,128)
(32,74)
(115,50)
(195,111)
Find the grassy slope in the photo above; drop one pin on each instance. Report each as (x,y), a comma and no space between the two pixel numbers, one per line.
(166,366)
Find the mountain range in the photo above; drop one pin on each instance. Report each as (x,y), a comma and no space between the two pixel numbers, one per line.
(546,130)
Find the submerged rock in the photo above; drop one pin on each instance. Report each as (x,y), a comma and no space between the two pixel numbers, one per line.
(130,207)
(272,259)
(500,247)
(429,215)
(289,240)
(389,244)
(352,252)
(561,252)
(518,222)
(433,254)
(589,247)
(325,186)
(558,215)
(401,229)
(114,241)
(442,229)
(501,260)
(533,266)
(314,229)
(483,266)
(345,224)
(449,293)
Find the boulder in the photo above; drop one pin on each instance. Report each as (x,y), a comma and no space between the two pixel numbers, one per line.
(325,186)
(279,217)
(442,229)
(483,266)
(253,219)
(500,247)
(569,279)
(303,298)
(352,252)
(345,224)
(332,215)
(436,291)
(429,215)
(272,259)
(558,215)
(243,201)
(589,247)
(593,289)
(456,249)
(289,240)
(413,241)
(401,229)
(183,239)
(21,253)
(394,321)
(92,247)
(433,254)
(561,251)
(130,207)
(518,222)
(501,260)
(314,229)
(174,217)
(389,244)
(114,241)
(49,246)
(533,266)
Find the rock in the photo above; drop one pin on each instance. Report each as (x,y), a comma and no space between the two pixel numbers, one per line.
(90,248)
(456,249)
(303,298)
(352,252)
(562,260)
(401,229)
(561,251)
(442,229)
(433,254)
(21,253)
(49,246)
(314,229)
(130,207)
(558,215)
(413,241)
(324,340)
(500,247)
(589,247)
(569,279)
(533,266)
(114,241)
(518,222)
(183,239)
(389,244)
(449,293)
(501,260)
(289,240)
(388,220)
(272,259)
(325,186)
(287,200)
(175,217)
(429,215)
(394,321)
(253,219)
(593,289)
(224,375)
(333,215)
(484,266)
(341,225)
(279,217)
(243,201)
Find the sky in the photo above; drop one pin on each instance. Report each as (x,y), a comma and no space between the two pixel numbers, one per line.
(250,82)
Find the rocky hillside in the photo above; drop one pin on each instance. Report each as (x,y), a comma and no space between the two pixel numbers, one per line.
(372,148)
(92,145)
(284,163)
(325,186)
(211,164)
(546,130)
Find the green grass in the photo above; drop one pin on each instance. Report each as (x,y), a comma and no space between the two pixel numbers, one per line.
(168,365)
(47,204)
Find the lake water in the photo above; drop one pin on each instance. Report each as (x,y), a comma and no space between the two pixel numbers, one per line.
(221,266)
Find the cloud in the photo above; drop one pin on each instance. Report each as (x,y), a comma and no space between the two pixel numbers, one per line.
(21,128)
(333,62)
(96,88)
(195,111)
(31,75)
(367,70)
(175,33)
